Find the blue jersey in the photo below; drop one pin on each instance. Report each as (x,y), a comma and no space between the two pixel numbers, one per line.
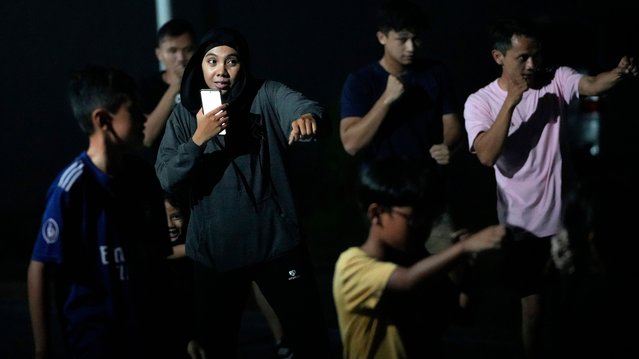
(414,122)
(107,239)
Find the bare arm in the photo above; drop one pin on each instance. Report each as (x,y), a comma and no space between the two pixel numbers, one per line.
(489,144)
(156,120)
(594,85)
(404,278)
(179,251)
(36,287)
(452,134)
(357,132)
(452,129)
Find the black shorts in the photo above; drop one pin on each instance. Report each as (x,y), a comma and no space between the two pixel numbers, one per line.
(288,283)
(525,259)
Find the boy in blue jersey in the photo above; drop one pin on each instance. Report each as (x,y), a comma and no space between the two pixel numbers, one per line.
(98,247)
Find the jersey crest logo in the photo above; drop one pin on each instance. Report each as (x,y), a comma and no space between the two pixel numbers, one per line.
(50,231)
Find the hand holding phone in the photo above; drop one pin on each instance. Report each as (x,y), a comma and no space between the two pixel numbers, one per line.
(211,99)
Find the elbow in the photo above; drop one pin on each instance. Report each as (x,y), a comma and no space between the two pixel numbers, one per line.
(485,156)
(350,150)
(148,138)
(486,160)
(349,147)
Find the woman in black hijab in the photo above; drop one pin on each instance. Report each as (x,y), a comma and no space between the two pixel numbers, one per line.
(243,225)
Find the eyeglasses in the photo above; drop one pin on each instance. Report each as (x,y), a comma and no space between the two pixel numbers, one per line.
(407,216)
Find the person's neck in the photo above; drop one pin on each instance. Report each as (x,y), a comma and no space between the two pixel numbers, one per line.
(501,82)
(391,66)
(106,158)
(373,248)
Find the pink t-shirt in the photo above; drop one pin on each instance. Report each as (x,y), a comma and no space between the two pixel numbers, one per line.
(529,170)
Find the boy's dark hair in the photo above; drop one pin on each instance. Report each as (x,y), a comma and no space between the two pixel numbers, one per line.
(177,201)
(99,87)
(399,182)
(502,31)
(401,15)
(174,28)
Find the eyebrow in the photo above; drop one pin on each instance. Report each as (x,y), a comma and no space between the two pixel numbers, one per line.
(233,55)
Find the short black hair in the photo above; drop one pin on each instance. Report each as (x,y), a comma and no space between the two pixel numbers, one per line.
(401,15)
(503,29)
(97,86)
(176,200)
(174,28)
(395,181)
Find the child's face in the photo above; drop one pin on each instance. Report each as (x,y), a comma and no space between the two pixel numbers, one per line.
(175,220)
(396,224)
(220,67)
(128,125)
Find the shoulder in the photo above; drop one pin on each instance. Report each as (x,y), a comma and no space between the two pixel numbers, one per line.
(271,85)
(355,259)
(72,174)
(371,70)
(181,112)
(181,117)
(355,269)
(70,186)
(566,70)
(489,90)
(280,93)
(565,74)
(350,253)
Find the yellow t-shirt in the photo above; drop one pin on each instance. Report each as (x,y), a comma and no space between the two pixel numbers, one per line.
(358,284)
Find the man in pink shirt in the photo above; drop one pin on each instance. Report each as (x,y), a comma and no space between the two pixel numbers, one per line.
(514,124)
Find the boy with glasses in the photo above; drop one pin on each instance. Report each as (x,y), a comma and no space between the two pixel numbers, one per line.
(393,299)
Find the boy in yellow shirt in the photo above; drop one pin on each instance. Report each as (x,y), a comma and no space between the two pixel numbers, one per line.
(392,296)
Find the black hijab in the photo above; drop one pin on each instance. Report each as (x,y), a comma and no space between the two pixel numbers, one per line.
(193,78)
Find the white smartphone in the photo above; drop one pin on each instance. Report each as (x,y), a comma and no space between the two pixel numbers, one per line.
(211,98)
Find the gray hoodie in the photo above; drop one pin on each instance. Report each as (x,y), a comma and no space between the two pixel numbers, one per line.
(242,209)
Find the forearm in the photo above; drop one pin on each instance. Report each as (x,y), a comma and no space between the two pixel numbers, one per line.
(179,251)
(452,129)
(408,278)
(37,307)
(356,132)
(156,120)
(595,85)
(488,145)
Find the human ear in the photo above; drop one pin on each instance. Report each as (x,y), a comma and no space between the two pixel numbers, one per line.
(498,57)
(374,211)
(101,118)
(381,37)
(158,54)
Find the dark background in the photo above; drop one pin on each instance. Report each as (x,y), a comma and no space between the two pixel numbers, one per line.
(308,45)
